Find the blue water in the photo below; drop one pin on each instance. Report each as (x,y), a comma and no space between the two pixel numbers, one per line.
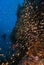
(8,17)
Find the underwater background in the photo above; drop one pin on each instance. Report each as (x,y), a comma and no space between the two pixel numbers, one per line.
(8,17)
